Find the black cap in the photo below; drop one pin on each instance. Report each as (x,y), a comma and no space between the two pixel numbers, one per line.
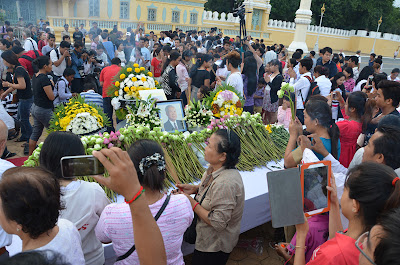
(17,49)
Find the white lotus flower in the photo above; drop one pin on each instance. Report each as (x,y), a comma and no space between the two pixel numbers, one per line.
(115,103)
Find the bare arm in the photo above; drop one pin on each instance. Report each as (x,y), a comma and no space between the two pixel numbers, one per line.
(49,92)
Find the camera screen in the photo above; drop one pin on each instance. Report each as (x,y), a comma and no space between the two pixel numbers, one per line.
(315,192)
(81,166)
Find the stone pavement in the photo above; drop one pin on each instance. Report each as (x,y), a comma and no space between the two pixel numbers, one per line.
(241,256)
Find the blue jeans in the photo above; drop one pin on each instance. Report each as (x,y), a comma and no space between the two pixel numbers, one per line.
(24,107)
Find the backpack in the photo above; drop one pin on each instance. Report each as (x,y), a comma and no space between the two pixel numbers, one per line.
(55,89)
(314,90)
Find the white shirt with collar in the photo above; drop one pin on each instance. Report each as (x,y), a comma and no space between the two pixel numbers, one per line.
(301,88)
(5,239)
(30,44)
(55,55)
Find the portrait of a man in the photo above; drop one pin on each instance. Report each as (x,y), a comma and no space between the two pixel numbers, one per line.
(172,115)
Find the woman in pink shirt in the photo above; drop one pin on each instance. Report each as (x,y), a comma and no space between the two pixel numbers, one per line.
(115,224)
(284,112)
(350,83)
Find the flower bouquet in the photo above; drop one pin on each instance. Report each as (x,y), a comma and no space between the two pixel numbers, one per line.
(128,82)
(143,113)
(78,117)
(225,100)
(285,91)
(197,115)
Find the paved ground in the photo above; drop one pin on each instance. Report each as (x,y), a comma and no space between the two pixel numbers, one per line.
(388,63)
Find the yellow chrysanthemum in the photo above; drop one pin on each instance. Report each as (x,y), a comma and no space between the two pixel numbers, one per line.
(129,69)
(136,65)
(134,79)
(122,76)
(142,68)
(137,70)
(156,82)
(150,74)
(126,89)
(143,79)
(133,88)
(116,93)
(117,83)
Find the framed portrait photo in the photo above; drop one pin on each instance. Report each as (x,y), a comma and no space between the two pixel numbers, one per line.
(172,115)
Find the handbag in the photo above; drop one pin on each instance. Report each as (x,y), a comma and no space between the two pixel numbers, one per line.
(190,234)
(133,248)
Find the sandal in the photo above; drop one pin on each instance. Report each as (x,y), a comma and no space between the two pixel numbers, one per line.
(13,135)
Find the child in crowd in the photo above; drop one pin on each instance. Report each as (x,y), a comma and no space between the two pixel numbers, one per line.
(291,64)
(284,111)
(259,95)
(349,82)
(203,92)
(62,89)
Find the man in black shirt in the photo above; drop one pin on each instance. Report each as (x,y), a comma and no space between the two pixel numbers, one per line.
(78,35)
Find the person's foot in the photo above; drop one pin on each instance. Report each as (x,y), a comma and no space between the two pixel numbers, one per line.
(9,155)
(20,140)
(12,134)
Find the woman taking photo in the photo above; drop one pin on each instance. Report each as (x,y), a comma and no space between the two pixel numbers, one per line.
(30,206)
(370,191)
(42,107)
(148,159)
(199,76)
(221,211)
(235,78)
(169,79)
(337,86)
(83,201)
(318,121)
(274,81)
(22,83)
(250,78)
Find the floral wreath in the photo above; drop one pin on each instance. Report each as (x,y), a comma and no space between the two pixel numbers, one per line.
(149,161)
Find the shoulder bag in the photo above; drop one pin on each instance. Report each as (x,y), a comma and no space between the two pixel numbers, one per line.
(133,248)
(190,234)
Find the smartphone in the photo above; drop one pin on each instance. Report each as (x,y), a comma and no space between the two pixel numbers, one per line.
(333,95)
(78,166)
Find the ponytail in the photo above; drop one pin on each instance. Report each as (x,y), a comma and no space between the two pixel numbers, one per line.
(363,106)
(40,62)
(334,134)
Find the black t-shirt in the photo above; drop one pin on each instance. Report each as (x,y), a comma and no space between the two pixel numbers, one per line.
(77,36)
(198,78)
(39,95)
(26,93)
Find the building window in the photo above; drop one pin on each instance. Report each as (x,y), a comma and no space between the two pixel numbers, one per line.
(175,16)
(124,10)
(193,18)
(151,14)
(94,8)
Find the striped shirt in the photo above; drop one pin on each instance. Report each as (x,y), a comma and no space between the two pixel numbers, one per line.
(115,225)
(11,108)
(93,97)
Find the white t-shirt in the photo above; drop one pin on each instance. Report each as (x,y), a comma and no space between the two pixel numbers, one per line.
(67,242)
(6,118)
(5,239)
(397,79)
(58,70)
(30,44)
(84,202)
(358,86)
(236,80)
(324,85)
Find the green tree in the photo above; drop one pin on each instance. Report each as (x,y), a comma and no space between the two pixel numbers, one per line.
(284,10)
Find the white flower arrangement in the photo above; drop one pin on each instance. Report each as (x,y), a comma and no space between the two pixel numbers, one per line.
(197,115)
(83,123)
(143,113)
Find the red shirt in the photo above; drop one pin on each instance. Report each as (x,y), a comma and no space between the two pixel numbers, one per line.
(41,44)
(157,64)
(107,75)
(28,64)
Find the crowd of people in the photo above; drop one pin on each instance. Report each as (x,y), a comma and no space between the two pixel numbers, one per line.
(344,114)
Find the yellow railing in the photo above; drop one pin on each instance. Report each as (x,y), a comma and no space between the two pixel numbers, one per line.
(231,30)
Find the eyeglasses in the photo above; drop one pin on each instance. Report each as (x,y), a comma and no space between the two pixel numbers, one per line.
(360,245)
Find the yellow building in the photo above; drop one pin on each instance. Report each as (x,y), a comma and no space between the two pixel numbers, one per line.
(161,15)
